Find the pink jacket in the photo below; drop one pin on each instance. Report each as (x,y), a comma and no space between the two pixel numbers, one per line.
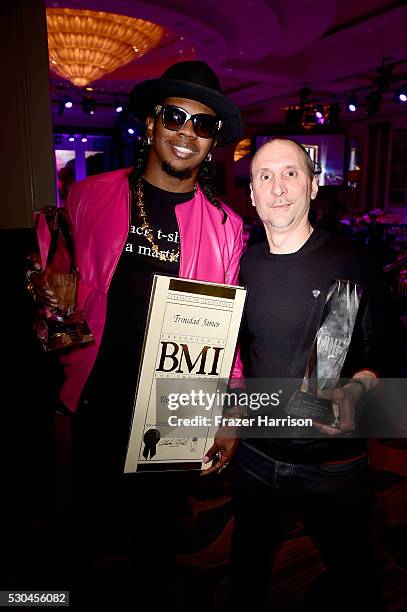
(99,211)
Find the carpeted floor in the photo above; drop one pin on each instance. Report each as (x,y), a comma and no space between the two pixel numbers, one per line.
(36,550)
(298,576)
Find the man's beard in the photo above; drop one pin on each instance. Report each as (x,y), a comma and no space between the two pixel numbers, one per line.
(179,174)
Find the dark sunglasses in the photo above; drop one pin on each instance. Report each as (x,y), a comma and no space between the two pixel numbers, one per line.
(174,118)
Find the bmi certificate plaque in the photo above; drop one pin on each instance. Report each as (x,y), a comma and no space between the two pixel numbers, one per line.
(189,347)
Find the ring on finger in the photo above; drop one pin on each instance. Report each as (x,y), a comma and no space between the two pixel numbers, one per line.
(225,465)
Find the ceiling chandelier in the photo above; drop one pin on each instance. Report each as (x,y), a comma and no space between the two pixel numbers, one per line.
(84,45)
(242,149)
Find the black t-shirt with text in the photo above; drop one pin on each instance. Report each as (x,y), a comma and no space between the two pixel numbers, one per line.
(116,367)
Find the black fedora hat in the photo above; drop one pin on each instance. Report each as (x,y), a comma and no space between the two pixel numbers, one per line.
(194,80)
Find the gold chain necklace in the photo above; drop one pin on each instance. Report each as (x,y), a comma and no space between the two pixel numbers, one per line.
(161,255)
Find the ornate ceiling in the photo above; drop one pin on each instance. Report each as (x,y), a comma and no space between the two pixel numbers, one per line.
(265,51)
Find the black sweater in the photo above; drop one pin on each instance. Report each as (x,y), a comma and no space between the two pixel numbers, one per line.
(282,317)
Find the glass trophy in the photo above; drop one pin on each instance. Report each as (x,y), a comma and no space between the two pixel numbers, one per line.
(62,326)
(327,356)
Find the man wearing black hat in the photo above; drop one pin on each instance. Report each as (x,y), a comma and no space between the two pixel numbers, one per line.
(160,217)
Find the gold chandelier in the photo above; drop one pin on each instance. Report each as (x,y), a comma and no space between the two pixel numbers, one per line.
(84,45)
(242,149)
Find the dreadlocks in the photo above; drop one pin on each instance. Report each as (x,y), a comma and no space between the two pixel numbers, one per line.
(206,176)
(140,162)
(206,181)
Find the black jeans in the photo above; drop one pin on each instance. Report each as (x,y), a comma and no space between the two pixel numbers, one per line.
(336,504)
(131,517)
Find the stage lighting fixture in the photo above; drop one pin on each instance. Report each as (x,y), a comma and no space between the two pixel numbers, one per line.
(118,106)
(319,111)
(68,102)
(130,130)
(71,138)
(400,95)
(84,139)
(89,105)
(351,104)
